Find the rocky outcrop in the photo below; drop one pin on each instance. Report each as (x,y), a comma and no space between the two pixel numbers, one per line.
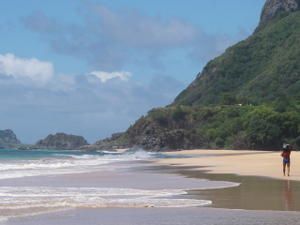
(62,141)
(273,7)
(149,134)
(8,139)
(116,141)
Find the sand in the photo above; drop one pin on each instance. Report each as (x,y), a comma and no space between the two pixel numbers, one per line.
(245,163)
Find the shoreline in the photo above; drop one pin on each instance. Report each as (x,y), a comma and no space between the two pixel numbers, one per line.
(252,193)
(266,164)
(255,192)
(255,195)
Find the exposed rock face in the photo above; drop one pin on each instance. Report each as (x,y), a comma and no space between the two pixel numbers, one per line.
(62,141)
(8,139)
(273,7)
(116,141)
(149,135)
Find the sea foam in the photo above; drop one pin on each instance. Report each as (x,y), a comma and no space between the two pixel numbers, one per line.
(22,201)
(64,164)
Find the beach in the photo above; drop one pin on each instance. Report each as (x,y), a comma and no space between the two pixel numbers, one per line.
(150,188)
(244,163)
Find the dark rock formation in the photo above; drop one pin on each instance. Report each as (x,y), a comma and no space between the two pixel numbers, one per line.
(116,141)
(273,7)
(8,139)
(62,141)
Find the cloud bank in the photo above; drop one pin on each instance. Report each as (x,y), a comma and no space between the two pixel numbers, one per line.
(110,39)
(95,104)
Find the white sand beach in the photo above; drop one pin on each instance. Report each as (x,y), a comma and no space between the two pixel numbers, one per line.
(249,163)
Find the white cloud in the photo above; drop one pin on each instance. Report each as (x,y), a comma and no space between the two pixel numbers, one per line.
(26,69)
(105,76)
(94,105)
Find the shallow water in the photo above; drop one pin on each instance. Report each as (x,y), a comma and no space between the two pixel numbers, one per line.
(65,180)
(162,216)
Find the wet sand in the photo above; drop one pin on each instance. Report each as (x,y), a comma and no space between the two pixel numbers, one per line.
(152,216)
(253,193)
(272,191)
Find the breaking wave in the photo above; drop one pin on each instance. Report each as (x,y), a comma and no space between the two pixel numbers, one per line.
(22,201)
(62,163)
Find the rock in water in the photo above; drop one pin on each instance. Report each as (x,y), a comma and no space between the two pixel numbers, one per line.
(8,139)
(62,141)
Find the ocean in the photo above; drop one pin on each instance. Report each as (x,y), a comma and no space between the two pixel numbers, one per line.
(39,181)
(46,187)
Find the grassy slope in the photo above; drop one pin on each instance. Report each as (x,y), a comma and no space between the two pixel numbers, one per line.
(258,70)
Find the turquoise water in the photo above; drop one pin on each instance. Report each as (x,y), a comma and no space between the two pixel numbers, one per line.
(25,163)
(12,154)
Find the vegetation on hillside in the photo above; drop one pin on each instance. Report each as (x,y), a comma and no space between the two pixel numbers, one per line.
(260,69)
(247,98)
(235,126)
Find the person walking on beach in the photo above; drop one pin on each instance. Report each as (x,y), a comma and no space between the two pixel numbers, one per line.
(286,154)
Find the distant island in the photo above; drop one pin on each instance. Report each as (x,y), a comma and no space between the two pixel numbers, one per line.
(8,139)
(61,141)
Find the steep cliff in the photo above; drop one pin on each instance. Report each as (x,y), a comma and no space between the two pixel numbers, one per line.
(277,8)
(260,69)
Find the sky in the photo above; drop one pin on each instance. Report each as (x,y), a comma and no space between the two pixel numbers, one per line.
(93,67)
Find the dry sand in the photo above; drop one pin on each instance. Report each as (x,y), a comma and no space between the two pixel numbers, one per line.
(246,163)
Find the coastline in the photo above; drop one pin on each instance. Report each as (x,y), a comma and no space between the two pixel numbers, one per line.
(153,176)
(258,199)
(244,163)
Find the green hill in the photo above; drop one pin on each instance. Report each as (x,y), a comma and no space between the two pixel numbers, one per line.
(247,98)
(259,70)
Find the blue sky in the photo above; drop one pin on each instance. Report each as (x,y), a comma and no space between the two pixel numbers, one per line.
(93,67)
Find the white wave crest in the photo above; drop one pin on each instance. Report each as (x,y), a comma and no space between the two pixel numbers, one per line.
(21,200)
(63,164)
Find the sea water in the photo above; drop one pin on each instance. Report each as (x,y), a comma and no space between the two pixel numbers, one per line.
(23,163)
(33,165)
